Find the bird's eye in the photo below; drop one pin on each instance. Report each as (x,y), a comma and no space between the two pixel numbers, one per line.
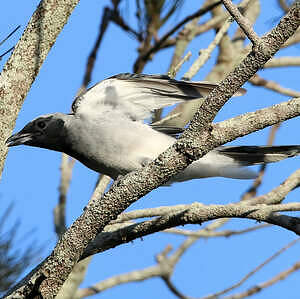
(41,124)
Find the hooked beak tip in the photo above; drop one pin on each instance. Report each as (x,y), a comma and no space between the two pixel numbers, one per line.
(18,139)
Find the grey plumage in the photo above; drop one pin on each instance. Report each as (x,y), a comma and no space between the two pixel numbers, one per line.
(106,133)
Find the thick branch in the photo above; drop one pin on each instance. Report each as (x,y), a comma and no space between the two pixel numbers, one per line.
(195,213)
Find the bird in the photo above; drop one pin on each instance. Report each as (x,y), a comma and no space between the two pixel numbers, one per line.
(107,132)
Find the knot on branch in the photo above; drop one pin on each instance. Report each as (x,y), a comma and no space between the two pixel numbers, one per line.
(189,149)
(263,47)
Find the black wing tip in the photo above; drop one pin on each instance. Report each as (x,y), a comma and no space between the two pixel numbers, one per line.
(128,76)
(266,149)
(251,155)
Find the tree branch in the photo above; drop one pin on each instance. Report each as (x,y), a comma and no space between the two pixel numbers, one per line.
(255,270)
(242,21)
(196,213)
(158,45)
(283,62)
(272,85)
(258,288)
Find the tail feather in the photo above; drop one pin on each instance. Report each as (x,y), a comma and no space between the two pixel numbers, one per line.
(230,161)
(251,155)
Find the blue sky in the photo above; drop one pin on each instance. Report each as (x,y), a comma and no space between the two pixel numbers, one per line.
(31,175)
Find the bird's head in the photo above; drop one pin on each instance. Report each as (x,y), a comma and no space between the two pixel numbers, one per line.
(45,131)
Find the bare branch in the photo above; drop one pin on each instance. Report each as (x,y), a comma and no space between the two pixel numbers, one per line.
(192,214)
(254,121)
(204,54)
(173,71)
(118,20)
(138,275)
(255,270)
(278,194)
(283,62)
(6,52)
(70,286)
(174,290)
(93,55)
(162,269)
(212,234)
(254,290)
(145,213)
(65,180)
(158,45)
(272,85)
(9,35)
(242,21)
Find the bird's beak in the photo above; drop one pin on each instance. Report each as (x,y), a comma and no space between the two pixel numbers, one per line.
(19,138)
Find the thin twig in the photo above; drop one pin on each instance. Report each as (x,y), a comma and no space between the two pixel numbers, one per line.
(7,51)
(9,35)
(93,55)
(173,71)
(278,194)
(137,275)
(158,45)
(242,21)
(173,289)
(101,185)
(118,20)
(255,270)
(5,39)
(204,54)
(162,269)
(283,61)
(274,86)
(213,234)
(258,288)
(65,180)
(166,119)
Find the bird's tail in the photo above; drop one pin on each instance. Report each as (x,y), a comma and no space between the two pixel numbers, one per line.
(230,161)
(252,155)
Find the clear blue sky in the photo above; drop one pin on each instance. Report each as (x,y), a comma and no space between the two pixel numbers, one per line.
(31,176)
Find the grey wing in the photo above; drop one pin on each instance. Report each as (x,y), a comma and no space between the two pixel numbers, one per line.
(136,95)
